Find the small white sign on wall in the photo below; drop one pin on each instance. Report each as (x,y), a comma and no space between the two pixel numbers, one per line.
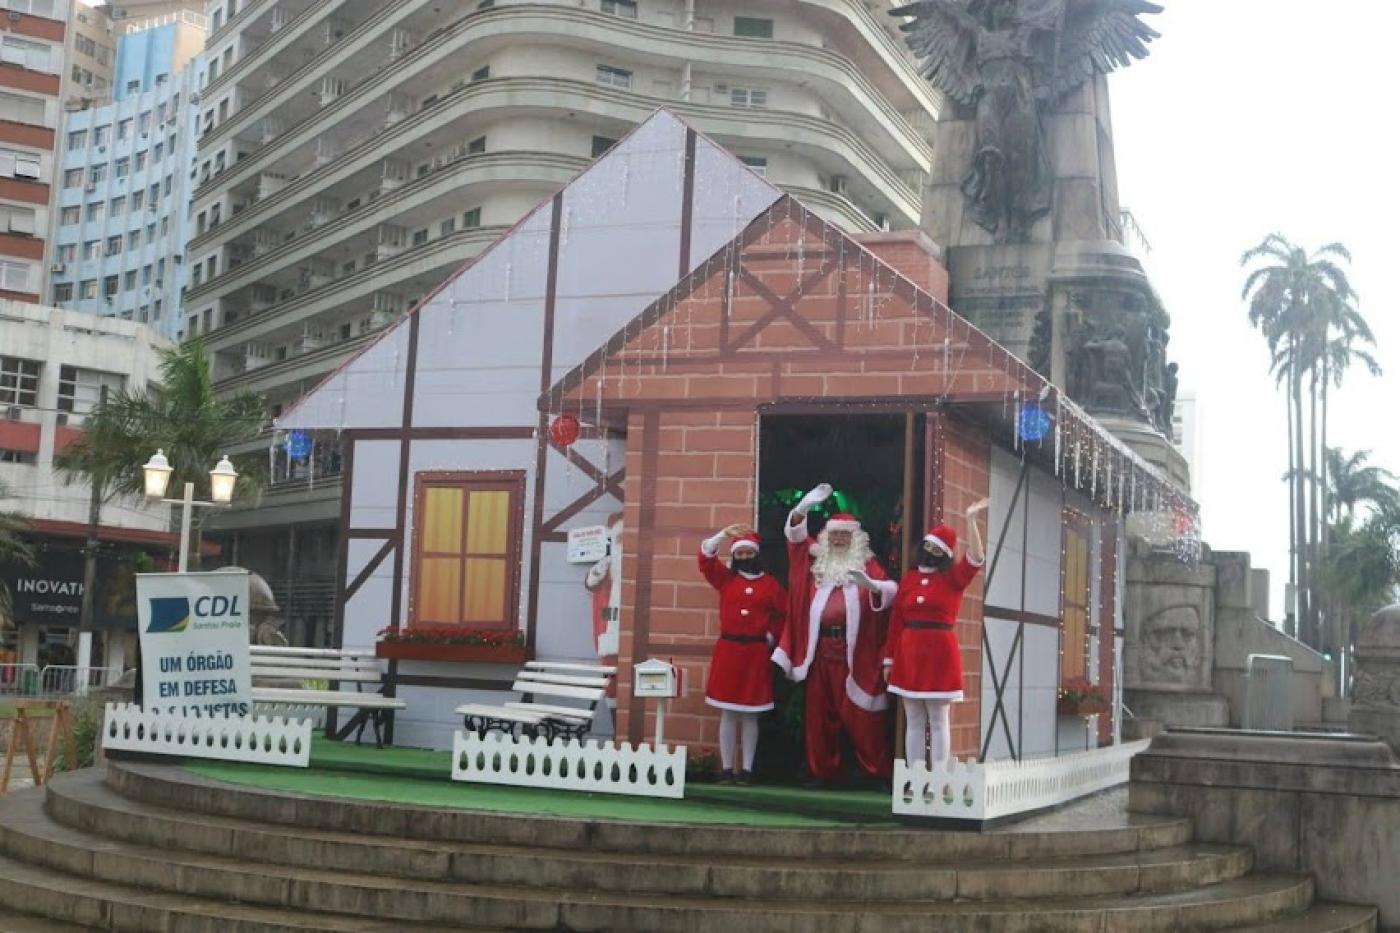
(587,545)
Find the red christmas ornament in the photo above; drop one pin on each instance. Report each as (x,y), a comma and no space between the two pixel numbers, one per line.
(564,430)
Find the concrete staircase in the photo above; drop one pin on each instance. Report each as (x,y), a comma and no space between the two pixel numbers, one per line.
(153,848)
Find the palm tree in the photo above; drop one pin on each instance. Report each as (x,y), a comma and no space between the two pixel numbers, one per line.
(1297,299)
(1352,482)
(182,417)
(14,549)
(1362,570)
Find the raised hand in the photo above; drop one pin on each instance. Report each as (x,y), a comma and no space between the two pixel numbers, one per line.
(862,579)
(979,506)
(735,530)
(813,498)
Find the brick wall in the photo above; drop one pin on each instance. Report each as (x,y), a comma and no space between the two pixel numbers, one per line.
(692,374)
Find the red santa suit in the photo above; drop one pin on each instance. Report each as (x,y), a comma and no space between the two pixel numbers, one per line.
(751,614)
(833,641)
(922,642)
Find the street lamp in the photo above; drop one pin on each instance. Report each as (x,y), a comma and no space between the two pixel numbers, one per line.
(221,480)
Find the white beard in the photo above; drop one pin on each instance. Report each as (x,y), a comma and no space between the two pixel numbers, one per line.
(832,567)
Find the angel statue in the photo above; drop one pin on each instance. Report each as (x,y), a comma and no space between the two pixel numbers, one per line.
(1010,60)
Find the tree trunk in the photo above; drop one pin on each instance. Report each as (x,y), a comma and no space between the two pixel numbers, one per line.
(1314,519)
(1308,635)
(1290,609)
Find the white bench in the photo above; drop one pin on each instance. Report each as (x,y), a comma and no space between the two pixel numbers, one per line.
(274,666)
(554,682)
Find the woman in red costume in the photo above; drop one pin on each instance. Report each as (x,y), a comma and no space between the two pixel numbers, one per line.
(922,659)
(752,608)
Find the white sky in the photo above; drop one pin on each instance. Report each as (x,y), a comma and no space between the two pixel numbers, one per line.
(1254,116)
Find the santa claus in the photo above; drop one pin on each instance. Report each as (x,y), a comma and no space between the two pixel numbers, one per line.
(604,582)
(837,597)
(752,606)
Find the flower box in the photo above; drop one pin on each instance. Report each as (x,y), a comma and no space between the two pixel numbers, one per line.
(1090,707)
(431,651)
(1078,697)
(452,643)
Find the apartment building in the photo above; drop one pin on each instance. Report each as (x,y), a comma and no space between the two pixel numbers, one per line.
(31,81)
(353,153)
(90,53)
(121,211)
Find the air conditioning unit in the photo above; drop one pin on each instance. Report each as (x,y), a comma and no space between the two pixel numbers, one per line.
(91,187)
(58,268)
(14,413)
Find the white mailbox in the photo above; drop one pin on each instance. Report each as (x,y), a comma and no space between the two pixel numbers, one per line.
(655,678)
(658,680)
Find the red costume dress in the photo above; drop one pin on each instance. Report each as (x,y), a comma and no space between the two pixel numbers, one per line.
(751,613)
(832,641)
(922,640)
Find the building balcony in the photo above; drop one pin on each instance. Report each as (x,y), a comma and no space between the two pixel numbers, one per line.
(838,82)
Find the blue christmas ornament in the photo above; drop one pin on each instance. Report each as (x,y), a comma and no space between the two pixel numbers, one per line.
(1034,422)
(298,445)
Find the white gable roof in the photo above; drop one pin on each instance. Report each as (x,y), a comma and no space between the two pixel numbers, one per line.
(621,245)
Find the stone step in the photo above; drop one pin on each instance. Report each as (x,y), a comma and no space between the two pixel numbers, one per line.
(64,903)
(1054,836)
(24,923)
(81,801)
(28,835)
(1321,918)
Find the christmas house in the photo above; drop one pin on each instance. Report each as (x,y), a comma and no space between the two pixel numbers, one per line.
(669,345)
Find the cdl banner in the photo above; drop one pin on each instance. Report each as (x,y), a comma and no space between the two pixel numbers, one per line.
(194,643)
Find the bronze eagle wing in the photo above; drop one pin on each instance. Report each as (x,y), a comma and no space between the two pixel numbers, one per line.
(1097,37)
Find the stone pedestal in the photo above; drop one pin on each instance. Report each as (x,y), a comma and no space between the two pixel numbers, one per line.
(1324,805)
(1168,642)
(1375,699)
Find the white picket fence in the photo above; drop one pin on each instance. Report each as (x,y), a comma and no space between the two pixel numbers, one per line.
(258,739)
(316,714)
(977,792)
(497,758)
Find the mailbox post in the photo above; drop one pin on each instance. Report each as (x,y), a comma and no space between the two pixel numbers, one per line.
(661,681)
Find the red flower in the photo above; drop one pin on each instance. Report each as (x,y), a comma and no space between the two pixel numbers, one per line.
(453,635)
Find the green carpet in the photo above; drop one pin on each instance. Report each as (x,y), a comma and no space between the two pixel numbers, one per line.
(419,776)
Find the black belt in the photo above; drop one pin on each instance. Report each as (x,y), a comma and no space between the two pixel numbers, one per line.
(939,626)
(832,631)
(744,639)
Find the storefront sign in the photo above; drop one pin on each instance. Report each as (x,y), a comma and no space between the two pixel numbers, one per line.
(51,592)
(194,643)
(587,545)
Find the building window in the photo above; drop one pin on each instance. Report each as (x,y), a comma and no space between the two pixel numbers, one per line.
(476,145)
(133,87)
(19,381)
(117,206)
(466,549)
(124,128)
(447,226)
(32,55)
(146,275)
(155,316)
(110,286)
(87,288)
(101,134)
(613,77)
(1074,637)
(16,164)
(420,236)
(481,74)
(624,8)
(752,98)
(123,167)
(753,27)
(62,292)
(140,160)
(16,219)
(66,252)
(79,390)
(69,215)
(471,218)
(90,248)
(97,173)
(96,211)
(759,164)
(21,109)
(156,151)
(602,144)
(133,240)
(73,178)
(138,198)
(14,276)
(129,280)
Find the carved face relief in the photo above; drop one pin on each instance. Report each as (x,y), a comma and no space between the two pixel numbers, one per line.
(1171,646)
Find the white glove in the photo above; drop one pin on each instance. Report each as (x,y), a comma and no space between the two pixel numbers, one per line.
(712,544)
(814,498)
(862,579)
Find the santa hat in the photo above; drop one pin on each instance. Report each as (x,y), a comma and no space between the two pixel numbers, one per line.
(943,538)
(744,542)
(843,521)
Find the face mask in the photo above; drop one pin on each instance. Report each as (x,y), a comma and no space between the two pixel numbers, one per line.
(749,565)
(932,560)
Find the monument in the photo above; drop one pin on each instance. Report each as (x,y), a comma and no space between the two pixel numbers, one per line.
(1024,200)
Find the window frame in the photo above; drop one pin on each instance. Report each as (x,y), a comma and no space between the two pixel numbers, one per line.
(509,481)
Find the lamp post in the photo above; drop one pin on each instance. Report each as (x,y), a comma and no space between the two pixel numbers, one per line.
(221,480)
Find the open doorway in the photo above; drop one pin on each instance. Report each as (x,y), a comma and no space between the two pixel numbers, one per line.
(863,456)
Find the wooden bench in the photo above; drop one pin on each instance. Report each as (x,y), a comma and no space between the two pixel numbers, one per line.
(334,665)
(553,682)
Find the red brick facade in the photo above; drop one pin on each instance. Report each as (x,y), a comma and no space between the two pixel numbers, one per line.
(794,318)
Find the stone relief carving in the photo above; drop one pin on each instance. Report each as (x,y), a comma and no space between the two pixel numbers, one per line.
(1171,652)
(1116,350)
(1377,688)
(1009,61)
